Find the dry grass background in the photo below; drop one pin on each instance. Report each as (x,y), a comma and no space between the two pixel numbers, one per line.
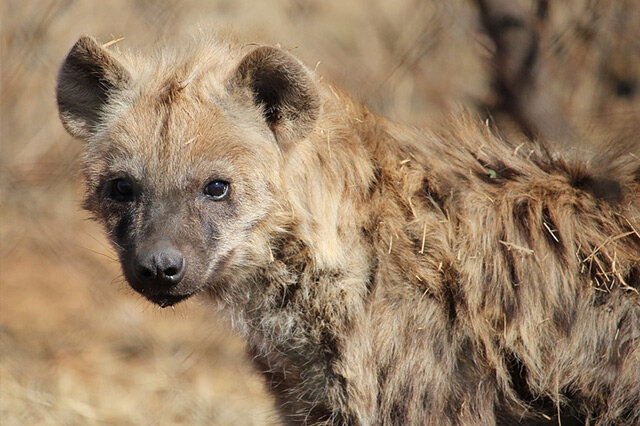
(76,345)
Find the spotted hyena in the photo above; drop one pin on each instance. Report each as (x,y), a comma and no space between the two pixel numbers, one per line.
(381,274)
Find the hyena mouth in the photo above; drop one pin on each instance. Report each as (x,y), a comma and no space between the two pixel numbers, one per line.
(166,300)
(163,296)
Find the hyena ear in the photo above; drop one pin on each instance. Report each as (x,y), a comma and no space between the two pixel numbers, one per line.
(88,78)
(285,90)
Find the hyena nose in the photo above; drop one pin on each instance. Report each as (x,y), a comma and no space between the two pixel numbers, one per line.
(161,266)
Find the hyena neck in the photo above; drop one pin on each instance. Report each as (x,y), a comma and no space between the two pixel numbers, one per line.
(326,180)
(313,288)
(319,252)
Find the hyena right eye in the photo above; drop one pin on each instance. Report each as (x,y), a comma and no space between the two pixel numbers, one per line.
(121,190)
(217,190)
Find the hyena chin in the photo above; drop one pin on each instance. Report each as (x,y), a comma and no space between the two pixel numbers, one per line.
(381,274)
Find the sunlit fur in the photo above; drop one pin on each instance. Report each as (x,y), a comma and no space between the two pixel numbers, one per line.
(381,274)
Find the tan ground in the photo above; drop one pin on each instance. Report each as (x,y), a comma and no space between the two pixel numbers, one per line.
(77,346)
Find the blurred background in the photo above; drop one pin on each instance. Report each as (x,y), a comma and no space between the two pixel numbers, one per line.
(77,346)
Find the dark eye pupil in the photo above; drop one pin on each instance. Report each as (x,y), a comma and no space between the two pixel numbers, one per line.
(217,189)
(123,187)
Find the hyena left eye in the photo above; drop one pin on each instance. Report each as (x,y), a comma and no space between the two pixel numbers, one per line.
(122,189)
(217,189)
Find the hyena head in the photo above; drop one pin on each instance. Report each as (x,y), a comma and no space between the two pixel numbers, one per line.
(183,156)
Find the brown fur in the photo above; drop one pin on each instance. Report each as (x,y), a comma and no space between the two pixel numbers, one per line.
(381,274)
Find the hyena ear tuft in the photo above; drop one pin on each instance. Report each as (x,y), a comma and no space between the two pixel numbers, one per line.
(285,90)
(88,78)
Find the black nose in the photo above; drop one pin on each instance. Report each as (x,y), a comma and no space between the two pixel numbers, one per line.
(159,266)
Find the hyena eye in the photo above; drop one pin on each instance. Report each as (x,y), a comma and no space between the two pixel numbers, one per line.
(121,189)
(217,189)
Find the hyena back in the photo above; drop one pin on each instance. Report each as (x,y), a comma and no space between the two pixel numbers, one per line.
(381,274)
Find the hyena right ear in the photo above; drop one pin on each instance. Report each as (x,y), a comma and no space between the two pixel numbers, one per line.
(88,78)
(285,90)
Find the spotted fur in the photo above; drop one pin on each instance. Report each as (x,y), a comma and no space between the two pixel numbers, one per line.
(381,274)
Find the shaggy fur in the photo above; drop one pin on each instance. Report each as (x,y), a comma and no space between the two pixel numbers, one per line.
(381,274)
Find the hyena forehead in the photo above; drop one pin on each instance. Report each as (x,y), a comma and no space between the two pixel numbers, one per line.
(184,138)
(172,111)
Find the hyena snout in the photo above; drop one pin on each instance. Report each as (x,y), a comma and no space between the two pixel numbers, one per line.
(159,268)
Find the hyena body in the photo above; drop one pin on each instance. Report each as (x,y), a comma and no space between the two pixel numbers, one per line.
(381,274)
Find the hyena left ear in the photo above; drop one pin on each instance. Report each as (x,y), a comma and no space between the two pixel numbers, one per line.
(88,79)
(285,90)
